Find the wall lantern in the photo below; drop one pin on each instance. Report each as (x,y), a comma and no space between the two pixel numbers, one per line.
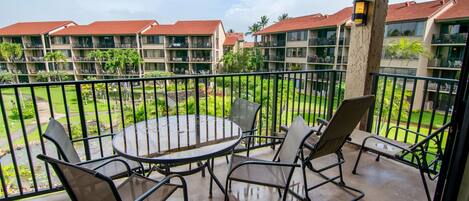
(360,12)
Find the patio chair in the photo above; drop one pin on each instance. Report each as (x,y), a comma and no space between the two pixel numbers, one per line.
(398,151)
(83,184)
(56,134)
(276,173)
(330,138)
(244,114)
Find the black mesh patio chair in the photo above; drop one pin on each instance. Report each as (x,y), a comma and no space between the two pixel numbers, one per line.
(84,184)
(244,114)
(276,173)
(401,151)
(329,139)
(56,134)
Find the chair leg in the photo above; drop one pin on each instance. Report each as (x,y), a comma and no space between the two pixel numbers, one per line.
(425,185)
(284,198)
(227,160)
(339,157)
(354,171)
(227,186)
(305,183)
(279,192)
(211,178)
(377,158)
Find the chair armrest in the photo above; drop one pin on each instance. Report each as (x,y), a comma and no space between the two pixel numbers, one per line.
(265,137)
(402,128)
(280,164)
(93,137)
(322,121)
(376,138)
(162,183)
(284,128)
(250,131)
(127,166)
(97,159)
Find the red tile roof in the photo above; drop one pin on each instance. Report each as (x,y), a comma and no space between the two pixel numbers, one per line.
(248,44)
(309,22)
(232,38)
(413,11)
(108,28)
(196,27)
(458,11)
(32,28)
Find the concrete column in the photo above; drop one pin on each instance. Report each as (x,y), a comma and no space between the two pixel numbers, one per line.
(365,52)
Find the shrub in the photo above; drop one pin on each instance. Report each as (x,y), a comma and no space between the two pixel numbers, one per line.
(27,110)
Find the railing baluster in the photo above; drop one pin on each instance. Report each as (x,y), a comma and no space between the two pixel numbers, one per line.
(157,116)
(81,112)
(96,112)
(391,104)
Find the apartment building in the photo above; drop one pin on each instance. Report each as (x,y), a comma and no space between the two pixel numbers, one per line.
(308,42)
(233,42)
(34,38)
(183,47)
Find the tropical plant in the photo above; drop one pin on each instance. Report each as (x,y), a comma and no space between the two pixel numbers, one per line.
(282,17)
(263,21)
(10,52)
(99,56)
(120,60)
(158,74)
(253,29)
(6,77)
(406,49)
(230,31)
(242,61)
(57,58)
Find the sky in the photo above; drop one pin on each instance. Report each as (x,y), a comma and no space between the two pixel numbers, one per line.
(235,14)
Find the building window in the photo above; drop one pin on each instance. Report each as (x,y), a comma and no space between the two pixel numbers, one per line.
(153,40)
(155,67)
(60,40)
(405,29)
(296,52)
(297,35)
(153,53)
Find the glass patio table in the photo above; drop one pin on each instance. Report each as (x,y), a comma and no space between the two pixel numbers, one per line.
(169,141)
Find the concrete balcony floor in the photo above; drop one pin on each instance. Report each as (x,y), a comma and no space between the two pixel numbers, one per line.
(385,180)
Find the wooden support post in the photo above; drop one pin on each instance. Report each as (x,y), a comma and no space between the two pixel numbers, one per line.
(366,44)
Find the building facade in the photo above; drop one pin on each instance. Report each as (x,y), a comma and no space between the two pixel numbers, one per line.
(183,47)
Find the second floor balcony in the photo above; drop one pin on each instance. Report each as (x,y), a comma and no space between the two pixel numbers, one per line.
(342,59)
(33,45)
(105,45)
(178,45)
(457,38)
(178,59)
(36,59)
(445,62)
(126,45)
(201,59)
(322,41)
(321,59)
(274,57)
(201,45)
(83,45)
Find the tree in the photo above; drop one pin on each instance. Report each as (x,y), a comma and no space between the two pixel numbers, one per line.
(406,49)
(6,77)
(100,57)
(263,21)
(282,17)
(119,60)
(10,52)
(57,58)
(230,31)
(242,61)
(253,29)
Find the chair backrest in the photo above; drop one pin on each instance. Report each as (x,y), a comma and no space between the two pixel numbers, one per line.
(81,183)
(296,135)
(244,114)
(56,133)
(342,124)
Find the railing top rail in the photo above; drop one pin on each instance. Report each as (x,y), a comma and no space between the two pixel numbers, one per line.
(416,77)
(175,77)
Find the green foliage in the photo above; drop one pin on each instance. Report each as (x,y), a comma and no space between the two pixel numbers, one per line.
(242,61)
(44,76)
(158,74)
(6,77)
(282,17)
(395,99)
(263,21)
(10,51)
(57,58)
(120,60)
(405,48)
(27,110)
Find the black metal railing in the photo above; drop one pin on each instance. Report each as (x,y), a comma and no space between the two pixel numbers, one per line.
(201,45)
(321,59)
(126,45)
(83,45)
(445,62)
(322,41)
(457,38)
(178,45)
(33,45)
(99,107)
(421,104)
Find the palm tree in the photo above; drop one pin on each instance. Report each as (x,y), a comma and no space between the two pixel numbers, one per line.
(100,57)
(57,58)
(118,60)
(406,49)
(263,21)
(253,29)
(282,17)
(230,31)
(10,52)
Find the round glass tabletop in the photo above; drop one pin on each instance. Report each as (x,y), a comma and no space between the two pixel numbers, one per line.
(173,139)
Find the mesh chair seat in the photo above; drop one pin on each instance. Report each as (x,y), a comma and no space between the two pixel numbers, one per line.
(261,174)
(377,144)
(136,185)
(112,169)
